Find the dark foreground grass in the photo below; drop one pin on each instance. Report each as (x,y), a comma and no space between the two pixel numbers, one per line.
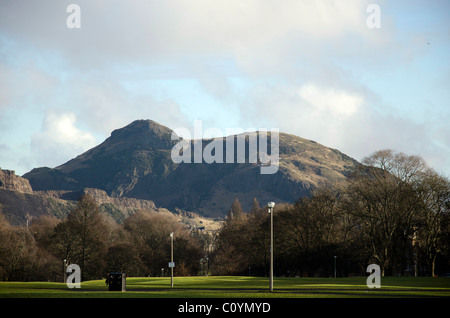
(236,287)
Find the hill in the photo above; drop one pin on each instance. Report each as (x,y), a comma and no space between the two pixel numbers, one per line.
(20,204)
(135,162)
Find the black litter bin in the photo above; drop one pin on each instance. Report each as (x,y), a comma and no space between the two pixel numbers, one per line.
(117,281)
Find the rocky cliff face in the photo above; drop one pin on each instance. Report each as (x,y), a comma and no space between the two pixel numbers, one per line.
(10,181)
(18,201)
(100,197)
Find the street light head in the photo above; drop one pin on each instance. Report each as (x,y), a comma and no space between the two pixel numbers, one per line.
(271,204)
(171,234)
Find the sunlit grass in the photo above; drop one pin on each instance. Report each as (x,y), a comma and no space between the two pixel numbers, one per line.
(235,287)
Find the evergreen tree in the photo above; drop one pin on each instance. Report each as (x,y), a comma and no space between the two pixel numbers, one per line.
(255,207)
(235,211)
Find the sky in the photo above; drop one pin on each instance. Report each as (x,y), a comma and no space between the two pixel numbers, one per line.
(347,74)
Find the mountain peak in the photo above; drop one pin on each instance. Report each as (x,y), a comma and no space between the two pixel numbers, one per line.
(142,131)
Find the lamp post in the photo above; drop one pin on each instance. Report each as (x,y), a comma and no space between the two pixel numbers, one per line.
(270,206)
(65,270)
(171,259)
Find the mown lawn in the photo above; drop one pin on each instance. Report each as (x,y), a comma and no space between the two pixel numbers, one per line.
(236,287)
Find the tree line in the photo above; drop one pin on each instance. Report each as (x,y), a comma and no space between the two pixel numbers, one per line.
(140,246)
(392,211)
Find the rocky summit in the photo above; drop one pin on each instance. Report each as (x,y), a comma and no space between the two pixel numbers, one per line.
(10,181)
(135,162)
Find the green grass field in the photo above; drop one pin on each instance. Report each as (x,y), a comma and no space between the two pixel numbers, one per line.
(235,287)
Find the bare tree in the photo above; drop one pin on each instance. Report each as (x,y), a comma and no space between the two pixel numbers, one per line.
(124,257)
(311,230)
(149,233)
(17,251)
(229,261)
(384,198)
(81,238)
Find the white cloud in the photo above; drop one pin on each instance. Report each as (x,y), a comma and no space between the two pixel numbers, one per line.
(60,139)
(311,111)
(331,101)
(155,32)
(344,118)
(103,103)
